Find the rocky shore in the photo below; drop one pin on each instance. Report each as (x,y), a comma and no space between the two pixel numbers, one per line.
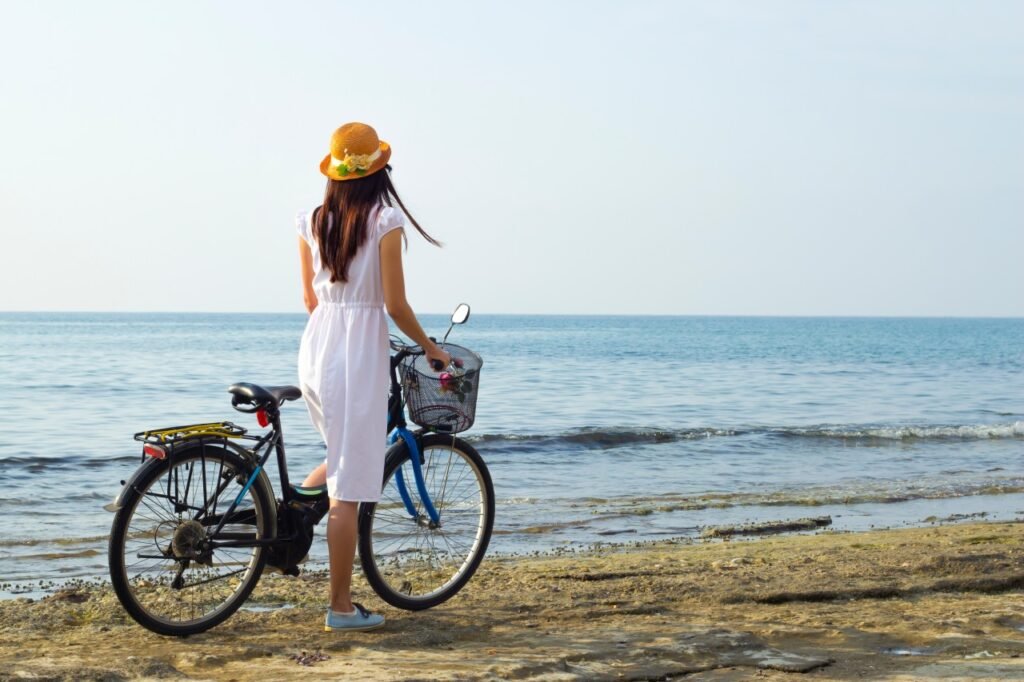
(942,602)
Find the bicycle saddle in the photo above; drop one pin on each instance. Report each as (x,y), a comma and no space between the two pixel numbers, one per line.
(261,397)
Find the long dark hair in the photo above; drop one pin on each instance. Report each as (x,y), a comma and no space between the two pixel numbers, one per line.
(350,202)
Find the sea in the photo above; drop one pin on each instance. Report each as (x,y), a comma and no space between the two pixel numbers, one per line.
(598,430)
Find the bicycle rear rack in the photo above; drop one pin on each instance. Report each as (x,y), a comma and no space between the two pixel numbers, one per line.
(160,443)
(169,436)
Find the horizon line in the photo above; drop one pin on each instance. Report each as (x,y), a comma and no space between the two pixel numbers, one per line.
(507,314)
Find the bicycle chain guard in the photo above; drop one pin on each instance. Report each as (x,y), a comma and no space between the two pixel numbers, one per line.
(298,521)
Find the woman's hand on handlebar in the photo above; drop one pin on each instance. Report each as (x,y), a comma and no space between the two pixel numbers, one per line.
(437,358)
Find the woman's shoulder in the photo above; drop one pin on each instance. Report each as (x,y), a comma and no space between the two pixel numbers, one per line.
(304,222)
(389,218)
(307,214)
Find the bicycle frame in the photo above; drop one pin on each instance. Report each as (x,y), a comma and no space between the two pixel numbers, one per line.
(274,442)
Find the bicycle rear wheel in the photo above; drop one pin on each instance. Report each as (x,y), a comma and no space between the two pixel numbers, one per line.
(409,563)
(164,574)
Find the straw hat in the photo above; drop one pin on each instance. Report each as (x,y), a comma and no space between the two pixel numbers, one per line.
(356,152)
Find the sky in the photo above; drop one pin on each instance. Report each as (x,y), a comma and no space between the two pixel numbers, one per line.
(682,158)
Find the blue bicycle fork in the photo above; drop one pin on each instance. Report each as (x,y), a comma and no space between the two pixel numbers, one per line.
(417,470)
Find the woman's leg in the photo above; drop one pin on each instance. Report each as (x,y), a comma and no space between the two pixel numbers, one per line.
(341,543)
(316,477)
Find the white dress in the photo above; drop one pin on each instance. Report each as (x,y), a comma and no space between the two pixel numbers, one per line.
(343,363)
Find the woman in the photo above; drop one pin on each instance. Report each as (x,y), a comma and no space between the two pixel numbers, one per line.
(350,248)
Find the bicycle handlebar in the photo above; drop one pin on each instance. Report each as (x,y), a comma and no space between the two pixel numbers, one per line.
(403,351)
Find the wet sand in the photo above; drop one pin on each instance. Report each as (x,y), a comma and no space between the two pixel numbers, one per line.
(943,602)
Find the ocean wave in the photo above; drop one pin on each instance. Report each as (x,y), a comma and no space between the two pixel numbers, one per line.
(35,464)
(61,541)
(600,438)
(613,437)
(910,432)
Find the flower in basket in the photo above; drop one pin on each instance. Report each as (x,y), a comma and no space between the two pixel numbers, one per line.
(457,382)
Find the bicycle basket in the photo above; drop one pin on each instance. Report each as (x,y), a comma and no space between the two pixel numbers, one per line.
(443,401)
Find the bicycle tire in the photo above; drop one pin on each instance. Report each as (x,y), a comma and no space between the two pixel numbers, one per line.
(151,522)
(404,560)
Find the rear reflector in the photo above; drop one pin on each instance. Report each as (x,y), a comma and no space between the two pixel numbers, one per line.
(154,451)
(261,417)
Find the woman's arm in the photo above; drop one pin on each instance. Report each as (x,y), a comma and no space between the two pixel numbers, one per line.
(306,259)
(394,296)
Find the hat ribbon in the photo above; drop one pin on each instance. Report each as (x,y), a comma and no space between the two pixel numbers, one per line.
(358,163)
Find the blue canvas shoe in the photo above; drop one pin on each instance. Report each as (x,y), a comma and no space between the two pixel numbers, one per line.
(359,621)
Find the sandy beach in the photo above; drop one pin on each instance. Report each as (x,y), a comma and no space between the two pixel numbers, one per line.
(942,602)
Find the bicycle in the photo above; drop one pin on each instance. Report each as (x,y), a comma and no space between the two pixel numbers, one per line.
(196,524)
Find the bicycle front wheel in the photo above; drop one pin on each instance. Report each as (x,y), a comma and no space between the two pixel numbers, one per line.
(409,561)
(165,565)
